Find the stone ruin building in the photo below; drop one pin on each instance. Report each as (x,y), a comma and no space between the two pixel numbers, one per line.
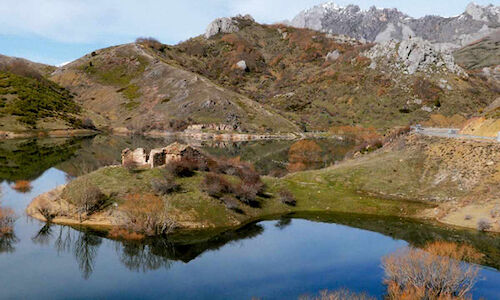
(160,156)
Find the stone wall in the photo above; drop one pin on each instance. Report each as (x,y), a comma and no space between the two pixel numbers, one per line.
(160,156)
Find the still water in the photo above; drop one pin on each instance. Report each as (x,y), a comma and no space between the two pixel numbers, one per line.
(278,259)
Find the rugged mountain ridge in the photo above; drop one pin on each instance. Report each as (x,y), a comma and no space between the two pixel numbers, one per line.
(380,25)
(246,77)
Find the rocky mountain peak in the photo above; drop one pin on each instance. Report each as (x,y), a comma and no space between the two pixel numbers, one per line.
(384,24)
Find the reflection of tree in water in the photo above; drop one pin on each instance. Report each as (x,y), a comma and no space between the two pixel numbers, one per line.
(283,223)
(7,242)
(7,235)
(155,253)
(43,235)
(84,245)
(139,257)
(63,240)
(85,251)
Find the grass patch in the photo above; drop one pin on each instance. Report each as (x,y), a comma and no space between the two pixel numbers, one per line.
(131,92)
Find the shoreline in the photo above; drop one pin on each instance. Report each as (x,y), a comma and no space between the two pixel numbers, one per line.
(11,135)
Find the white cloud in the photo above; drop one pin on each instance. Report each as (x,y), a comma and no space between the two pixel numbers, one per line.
(114,21)
(85,21)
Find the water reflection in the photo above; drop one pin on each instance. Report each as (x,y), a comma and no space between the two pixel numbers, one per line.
(26,160)
(85,251)
(7,242)
(160,253)
(138,255)
(43,236)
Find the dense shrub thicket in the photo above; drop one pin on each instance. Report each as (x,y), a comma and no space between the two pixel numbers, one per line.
(32,99)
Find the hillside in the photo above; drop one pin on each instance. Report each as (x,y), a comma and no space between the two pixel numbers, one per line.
(30,102)
(483,58)
(320,80)
(132,89)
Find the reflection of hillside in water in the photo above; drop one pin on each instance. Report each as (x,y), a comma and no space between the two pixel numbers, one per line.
(416,233)
(265,155)
(28,159)
(156,253)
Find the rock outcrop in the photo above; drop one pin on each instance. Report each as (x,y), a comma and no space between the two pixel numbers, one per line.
(380,25)
(226,25)
(411,56)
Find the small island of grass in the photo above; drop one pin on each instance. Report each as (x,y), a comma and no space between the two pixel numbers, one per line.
(199,192)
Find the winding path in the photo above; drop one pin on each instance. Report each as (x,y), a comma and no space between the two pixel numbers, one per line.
(449,133)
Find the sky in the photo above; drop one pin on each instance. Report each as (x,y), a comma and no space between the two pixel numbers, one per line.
(58,31)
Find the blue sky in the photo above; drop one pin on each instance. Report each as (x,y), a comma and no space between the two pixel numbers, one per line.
(56,31)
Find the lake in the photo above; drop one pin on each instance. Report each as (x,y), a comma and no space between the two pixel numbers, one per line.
(273,259)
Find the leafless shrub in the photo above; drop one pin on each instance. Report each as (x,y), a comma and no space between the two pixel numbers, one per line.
(184,167)
(278,173)
(215,185)
(7,219)
(46,211)
(148,215)
(231,203)
(131,166)
(247,192)
(164,186)
(413,273)
(483,224)
(88,198)
(286,197)
(151,43)
(341,294)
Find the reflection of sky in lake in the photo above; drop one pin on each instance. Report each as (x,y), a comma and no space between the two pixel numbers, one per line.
(303,257)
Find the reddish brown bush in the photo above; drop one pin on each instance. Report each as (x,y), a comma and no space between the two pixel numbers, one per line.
(215,185)
(164,186)
(303,155)
(395,133)
(23,186)
(231,203)
(426,90)
(184,167)
(147,215)
(125,234)
(247,192)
